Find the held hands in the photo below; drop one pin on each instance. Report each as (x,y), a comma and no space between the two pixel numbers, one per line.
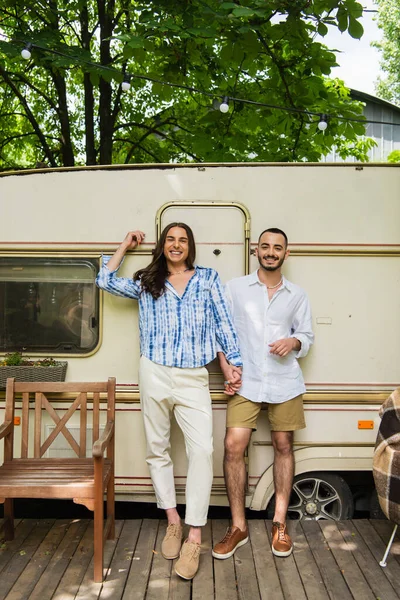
(284,347)
(233,379)
(133,239)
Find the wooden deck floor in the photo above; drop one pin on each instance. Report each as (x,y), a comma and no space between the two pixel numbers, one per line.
(339,561)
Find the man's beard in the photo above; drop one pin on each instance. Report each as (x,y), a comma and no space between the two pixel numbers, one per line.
(273,267)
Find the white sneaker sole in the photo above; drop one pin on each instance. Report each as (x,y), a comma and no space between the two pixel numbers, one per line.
(229,554)
(282,554)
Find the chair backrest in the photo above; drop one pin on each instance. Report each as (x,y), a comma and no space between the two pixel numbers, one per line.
(386,462)
(60,400)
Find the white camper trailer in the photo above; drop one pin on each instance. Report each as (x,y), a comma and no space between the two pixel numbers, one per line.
(344,238)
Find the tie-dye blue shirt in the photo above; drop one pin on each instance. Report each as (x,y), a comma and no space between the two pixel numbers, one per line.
(180,331)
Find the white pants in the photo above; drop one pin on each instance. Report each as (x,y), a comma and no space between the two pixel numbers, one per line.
(184,391)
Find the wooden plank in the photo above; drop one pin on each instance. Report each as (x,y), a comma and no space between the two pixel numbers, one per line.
(224,570)
(366,561)
(345,561)
(141,562)
(47,584)
(158,586)
(246,577)
(83,426)
(49,462)
(377,548)
(60,425)
(25,425)
(58,386)
(21,558)
(292,586)
(89,589)
(117,574)
(9,418)
(73,575)
(16,523)
(306,564)
(179,589)
(38,425)
(8,549)
(267,575)
(96,417)
(26,582)
(203,583)
(331,575)
(385,530)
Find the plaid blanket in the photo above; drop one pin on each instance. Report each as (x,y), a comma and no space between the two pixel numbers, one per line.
(386,463)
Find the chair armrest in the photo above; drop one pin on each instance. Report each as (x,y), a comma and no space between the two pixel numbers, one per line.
(5,428)
(101,444)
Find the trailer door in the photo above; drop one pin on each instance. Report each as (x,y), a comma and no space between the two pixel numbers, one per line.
(221,231)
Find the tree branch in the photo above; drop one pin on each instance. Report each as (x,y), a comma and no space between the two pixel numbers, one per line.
(31,118)
(278,66)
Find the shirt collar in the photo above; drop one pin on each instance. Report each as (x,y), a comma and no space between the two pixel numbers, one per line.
(253,278)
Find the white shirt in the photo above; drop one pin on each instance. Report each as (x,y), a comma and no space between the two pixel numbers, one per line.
(259,321)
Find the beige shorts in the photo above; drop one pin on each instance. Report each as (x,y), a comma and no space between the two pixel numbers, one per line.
(286,416)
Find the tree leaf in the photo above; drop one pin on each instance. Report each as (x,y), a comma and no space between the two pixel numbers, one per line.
(243,11)
(356,30)
(322,29)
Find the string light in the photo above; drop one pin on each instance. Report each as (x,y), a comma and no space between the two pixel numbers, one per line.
(26,51)
(126,85)
(322,125)
(323,122)
(224,106)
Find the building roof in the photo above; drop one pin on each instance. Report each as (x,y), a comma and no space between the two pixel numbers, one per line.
(363,97)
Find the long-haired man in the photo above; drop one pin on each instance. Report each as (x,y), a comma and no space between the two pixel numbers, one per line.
(182,316)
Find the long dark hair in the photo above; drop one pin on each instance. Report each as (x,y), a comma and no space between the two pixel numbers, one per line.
(152,277)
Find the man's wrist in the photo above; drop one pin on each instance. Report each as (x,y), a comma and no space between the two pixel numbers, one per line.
(296,344)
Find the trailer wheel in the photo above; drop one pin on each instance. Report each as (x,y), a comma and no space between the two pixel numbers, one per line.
(318,496)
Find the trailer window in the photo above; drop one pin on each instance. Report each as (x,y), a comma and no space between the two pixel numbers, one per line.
(48,305)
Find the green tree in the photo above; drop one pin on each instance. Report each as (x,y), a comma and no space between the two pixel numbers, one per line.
(388,19)
(66,106)
(394,156)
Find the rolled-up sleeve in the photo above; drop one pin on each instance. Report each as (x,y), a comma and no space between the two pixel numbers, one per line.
(302,326)
(227,339)
(119,286)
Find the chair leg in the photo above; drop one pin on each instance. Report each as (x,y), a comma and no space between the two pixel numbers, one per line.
(383,561)
(9,519)
(111,507)
(98,540)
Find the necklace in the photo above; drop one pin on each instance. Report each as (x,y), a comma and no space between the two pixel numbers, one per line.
(272,287)
(178,272)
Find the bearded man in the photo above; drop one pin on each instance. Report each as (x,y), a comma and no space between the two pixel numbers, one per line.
(272,318)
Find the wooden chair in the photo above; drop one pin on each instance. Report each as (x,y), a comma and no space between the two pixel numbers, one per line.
(386,463)
(82,479)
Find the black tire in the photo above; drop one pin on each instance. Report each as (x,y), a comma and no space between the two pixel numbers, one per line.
(318,496)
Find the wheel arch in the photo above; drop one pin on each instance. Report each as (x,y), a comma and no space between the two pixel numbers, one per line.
(323,459)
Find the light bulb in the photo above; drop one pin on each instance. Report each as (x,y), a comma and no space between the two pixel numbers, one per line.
(26,52)
(323,123)
(224,106)
(125,85)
